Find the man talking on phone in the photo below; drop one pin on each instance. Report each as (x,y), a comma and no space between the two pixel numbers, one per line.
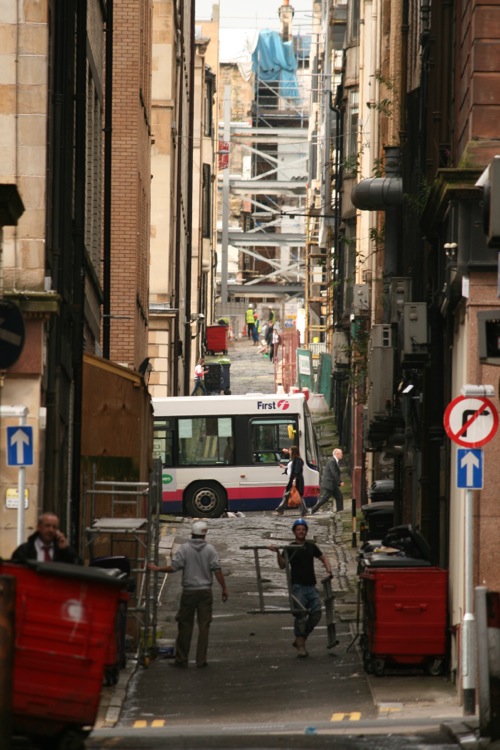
(47,544)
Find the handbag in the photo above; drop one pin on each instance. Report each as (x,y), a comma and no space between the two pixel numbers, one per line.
(294,498)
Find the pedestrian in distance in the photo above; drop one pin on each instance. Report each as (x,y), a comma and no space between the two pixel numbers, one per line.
(256,330)
(199,374)
(46,544)
(331,483)
(250,320)
(295,472)
(273,349)
(300,556)
(199,563)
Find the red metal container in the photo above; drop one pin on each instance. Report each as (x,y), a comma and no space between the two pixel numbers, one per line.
(216,339)
(404,617)
(64,624)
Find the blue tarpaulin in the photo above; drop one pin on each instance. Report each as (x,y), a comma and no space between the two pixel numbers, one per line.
(274,60)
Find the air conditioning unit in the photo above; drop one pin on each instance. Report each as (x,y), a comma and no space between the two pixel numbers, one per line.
(414,327)
(381,382)
(399,294)
(340,349)
(360,299)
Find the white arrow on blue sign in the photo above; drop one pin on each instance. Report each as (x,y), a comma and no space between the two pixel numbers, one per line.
(20,446)
(470,468)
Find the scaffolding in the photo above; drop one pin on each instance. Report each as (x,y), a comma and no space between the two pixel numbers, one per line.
(122,522)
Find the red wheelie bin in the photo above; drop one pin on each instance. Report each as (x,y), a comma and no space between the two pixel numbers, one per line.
(404,606)
(216,339)
(64,622)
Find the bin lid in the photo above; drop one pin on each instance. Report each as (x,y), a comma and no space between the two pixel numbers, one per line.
(409,540)
(384,506)
(214,360)
(79,572)
(382,560)
(381,486)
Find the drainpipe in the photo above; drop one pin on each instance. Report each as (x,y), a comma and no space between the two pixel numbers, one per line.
(189,243)
(79,273)
(108,115)
(176,345)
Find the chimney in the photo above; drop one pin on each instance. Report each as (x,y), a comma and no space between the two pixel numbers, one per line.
(286,14)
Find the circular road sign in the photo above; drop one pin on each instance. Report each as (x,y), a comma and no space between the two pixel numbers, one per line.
(11,333)
(471,421)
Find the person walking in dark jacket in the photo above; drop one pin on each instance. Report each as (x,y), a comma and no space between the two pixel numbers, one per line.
(331,483)
(47,544)
(295,472)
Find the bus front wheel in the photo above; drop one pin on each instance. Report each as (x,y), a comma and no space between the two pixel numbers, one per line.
(205,500)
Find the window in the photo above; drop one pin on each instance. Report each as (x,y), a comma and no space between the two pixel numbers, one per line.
(353,21)
(208,124)
(163,441)
(205,441)
(268,437)
(206,205)
(352,146)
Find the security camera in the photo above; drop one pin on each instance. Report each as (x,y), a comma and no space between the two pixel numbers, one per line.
(197,316)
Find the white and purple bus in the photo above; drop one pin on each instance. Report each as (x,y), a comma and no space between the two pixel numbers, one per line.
(223,453)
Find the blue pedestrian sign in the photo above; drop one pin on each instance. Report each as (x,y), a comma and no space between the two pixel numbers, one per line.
(20,446)
(470,468)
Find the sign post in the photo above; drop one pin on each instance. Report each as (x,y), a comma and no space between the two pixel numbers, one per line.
(19,454)
(470,420)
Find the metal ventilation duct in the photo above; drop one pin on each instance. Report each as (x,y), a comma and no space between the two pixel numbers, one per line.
(378,193)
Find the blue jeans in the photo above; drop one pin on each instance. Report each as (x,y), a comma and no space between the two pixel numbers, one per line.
(199,384)
(307,597)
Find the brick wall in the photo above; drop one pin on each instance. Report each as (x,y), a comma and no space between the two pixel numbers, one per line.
(131,180)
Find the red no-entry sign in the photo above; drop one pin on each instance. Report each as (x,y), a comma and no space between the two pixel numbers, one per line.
(471,421)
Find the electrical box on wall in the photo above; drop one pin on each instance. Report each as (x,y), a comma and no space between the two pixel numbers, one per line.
(381,335)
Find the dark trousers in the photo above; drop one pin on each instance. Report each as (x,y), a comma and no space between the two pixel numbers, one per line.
(193,603)
(325,496)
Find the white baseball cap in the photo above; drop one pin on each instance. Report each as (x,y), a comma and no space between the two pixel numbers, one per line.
(199,528)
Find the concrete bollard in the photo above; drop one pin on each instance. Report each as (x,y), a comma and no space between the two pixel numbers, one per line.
(354,532)
(7,616)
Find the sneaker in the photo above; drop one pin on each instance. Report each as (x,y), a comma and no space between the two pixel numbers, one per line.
(301,652)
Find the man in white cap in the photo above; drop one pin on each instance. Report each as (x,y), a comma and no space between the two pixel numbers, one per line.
(199,562)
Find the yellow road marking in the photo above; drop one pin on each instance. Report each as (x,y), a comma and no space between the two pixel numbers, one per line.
(354,716)
(158,723)
(141,724)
